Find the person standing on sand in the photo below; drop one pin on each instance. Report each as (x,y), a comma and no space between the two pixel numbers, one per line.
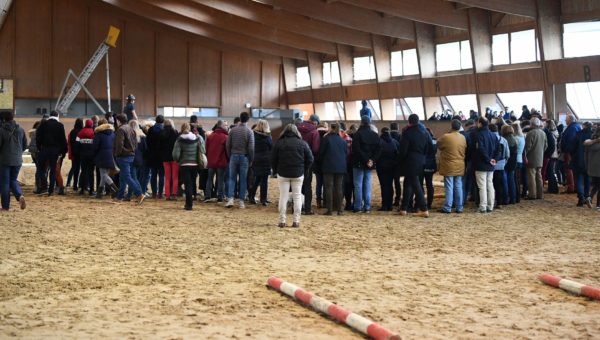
(12,144)
(188,151)
(290,159)
(453,148)
(332,164)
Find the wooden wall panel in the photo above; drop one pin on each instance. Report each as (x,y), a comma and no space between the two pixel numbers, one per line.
(69,37)
(99,21)
(33,69)
(400,89)
(529,79)
(328,94)
(171,71)
(205,76)
(573,70)
(360,92)
(270,85)
(450,85)
(241,83)
(300,97)
(139,66)
(7,45)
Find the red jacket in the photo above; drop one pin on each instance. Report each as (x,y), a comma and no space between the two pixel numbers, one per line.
(216,150)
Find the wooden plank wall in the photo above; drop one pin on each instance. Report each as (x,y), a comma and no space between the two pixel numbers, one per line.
(41,40)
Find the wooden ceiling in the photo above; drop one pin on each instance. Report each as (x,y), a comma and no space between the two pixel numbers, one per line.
(293,28)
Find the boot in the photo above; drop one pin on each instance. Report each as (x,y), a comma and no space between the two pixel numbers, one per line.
(113,188)
(99,194)
(61,191)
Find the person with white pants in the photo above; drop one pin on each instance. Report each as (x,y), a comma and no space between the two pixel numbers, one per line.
(486,147)
(290,157)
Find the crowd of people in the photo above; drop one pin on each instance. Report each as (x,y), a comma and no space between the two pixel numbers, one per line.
(489,160)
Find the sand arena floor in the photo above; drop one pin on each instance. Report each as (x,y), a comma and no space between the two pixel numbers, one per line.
(74,267)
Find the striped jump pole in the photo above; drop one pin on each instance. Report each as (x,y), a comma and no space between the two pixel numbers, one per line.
(571,286)
(340,314)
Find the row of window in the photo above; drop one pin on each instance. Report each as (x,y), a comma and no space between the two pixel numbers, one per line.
(507,48)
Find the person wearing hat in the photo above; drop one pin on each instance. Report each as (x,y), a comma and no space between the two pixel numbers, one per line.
(366,148)
(310,134)
(129,109)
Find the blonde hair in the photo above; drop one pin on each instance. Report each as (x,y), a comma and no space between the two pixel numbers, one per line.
(185,128)
(290,128)
(262,126)
(517,127)
(169,122)
(136,127)
(323,125)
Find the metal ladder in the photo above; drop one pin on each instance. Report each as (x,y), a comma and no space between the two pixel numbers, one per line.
(64,102)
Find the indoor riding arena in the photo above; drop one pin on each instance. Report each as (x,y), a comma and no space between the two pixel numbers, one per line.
(351,200)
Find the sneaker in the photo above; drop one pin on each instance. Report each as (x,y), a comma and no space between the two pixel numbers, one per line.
(281,225)
(482,210)
(229,203)
(423,214)
(296,225)
(22,203)
(588,202)
(242,205)
(488,210)
(403,212)
(140,199)
(444,211)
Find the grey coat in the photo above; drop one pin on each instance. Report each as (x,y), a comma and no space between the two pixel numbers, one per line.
(535,145)
(12,144)
(592,159)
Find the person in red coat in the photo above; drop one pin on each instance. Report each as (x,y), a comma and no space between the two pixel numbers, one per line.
(216,152)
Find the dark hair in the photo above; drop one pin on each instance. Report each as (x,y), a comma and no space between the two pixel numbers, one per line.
(6,116)
(494,128)
(456,124)
(385,130)
(244,117)
(79,123)
(394,126)
(335,127)
(193,119)
(54,113)
(36,124)
(122,118)
(343,126)
(160,119)
(413,119)
(483,121)
(236,120)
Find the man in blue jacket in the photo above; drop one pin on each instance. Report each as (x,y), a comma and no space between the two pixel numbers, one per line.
(567,147)
(484,159)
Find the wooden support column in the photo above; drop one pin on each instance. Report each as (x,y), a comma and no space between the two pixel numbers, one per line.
(344,55)
(315,71)
(425,34)
(383,73)
(480,38)
(549,32)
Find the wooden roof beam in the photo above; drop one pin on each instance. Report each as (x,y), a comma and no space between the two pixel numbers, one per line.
(434,12)
(524,8)
(177,21)
(243,26)
(290,22)
(349,16)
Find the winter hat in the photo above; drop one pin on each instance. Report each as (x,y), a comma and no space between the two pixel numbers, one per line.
(314,118)
(89,123)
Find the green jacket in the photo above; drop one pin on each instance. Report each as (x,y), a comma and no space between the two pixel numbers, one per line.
(189,149)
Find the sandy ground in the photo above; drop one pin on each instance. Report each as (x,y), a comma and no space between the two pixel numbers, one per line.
(74,267)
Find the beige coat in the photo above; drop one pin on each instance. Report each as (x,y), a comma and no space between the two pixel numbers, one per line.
(452,149)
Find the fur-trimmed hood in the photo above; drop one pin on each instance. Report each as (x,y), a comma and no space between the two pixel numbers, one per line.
(104,127)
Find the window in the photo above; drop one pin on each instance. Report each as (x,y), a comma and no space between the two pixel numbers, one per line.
(515,100)
(402,109)
(364,68)
(453,56)
(179,112)
(579,37)
(583,99)
(334,111)
(410,64)
(331,73)
(464,103)
(396,61)
(415,105)
(500,49)
(523,47)
(302,77)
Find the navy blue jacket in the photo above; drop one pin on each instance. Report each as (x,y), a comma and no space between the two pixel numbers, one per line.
(332,155)
(486,148)
(567,143)
(365,147)
(263,144)
(140,152)
(168,137)
(578,160)
(415,146)
(551,144)
(153,157)
(388,160)
(103,146)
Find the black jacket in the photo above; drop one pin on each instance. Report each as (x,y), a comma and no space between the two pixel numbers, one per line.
(416,144)
(291,156)
(332,155)
(153,145)
(388,159)
(12,144)
(263,144)
(365,147)
(168,137)
(51,135)
(551,144)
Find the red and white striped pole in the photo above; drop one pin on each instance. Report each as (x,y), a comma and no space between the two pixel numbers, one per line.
(571,286)
(340,314)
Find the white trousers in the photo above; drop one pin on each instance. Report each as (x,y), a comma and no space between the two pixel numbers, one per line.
(284,195)
(485,183)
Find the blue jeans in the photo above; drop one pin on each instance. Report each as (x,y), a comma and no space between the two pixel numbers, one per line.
(238,165)
(362,189)
(144,178)
(583,183)
(138,173)
(220,172)
(157,179)
(454,193)
(126,177)
(512,186)
(8,183)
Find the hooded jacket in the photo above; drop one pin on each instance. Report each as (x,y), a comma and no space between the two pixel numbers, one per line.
(168,137)
(291,156)
(310,135)
(72,143)
(85,141)
(12,144)
(103,146)
(188,149)
(216,151)
(388,158)
(153,142)
(592,159)
(567,143)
